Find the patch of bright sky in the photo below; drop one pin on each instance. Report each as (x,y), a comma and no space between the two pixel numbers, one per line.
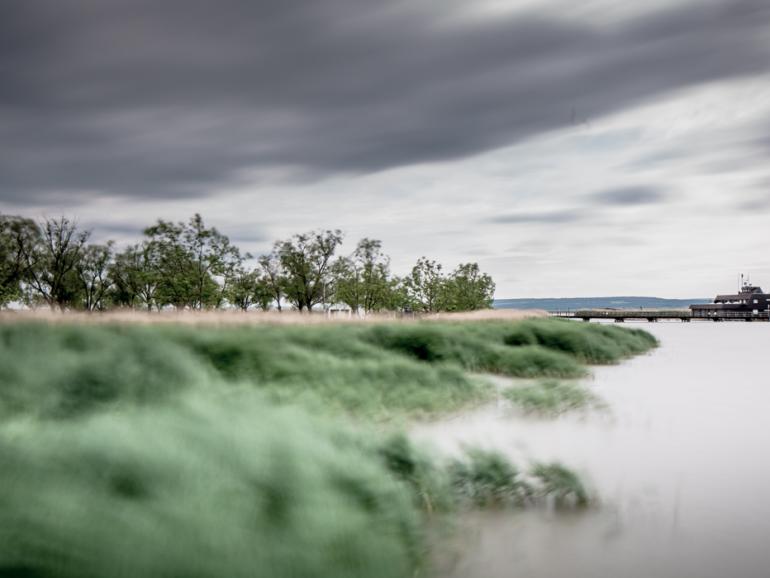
(589,11)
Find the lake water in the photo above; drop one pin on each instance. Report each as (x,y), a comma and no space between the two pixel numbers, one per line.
(680,462)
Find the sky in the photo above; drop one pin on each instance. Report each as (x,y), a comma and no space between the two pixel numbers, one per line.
(570,148)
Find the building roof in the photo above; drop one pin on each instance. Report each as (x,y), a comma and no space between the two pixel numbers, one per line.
(741,296)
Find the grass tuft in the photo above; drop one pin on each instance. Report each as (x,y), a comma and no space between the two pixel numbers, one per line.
(550,397)
(428,482)
(487,478)
(561,485)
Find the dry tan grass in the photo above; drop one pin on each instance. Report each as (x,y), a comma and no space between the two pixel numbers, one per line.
(483,314)
(215,318)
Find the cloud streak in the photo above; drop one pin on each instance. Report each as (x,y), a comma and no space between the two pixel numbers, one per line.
(538,217)
(182,98)
(631,196)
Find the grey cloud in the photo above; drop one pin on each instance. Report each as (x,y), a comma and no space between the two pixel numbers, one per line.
(753,205)
(631,196)
(624,241)
(119,229)
(541,217)
(251,235)
(177,98)
(758,200)
(658,158)
(103,230)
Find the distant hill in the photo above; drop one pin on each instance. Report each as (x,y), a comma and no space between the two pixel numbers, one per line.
(571,303)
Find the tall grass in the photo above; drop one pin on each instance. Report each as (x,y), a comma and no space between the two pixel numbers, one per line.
(474,346)
(333,367)
(159,451)
(559,484)
(428,480)
(588,342)
(68,370)
(550,397)
(206,488)
(372,370)
(488,478)
(232,486)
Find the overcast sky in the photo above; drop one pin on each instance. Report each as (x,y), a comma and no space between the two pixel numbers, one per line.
(571,148)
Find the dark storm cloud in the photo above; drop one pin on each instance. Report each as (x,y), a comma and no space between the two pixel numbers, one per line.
(631,196)
(175,98)
(543,217)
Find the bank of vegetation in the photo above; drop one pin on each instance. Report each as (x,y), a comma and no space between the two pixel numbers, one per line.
(161,450)
(189,266)
(368,370)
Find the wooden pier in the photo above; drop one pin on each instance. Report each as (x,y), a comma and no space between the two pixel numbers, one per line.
(653,315)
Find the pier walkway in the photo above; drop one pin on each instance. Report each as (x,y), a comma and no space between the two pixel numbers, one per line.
(653,315)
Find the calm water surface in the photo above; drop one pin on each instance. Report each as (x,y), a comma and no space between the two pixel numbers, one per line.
(681,463)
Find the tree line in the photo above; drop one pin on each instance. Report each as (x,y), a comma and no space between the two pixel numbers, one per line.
(187,265)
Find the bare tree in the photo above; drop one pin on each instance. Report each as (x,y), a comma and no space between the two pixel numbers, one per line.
(51,264)
(18,237)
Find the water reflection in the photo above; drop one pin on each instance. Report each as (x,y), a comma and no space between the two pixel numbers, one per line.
(679,462)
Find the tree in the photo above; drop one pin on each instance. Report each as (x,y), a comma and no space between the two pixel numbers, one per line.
(18,237)
(273,277)
(190,265)
(263,294)
(306,261)
(93,272)
(424,286)
(468,289)
(134,277)
(172,264)
(247,289)
(51,264)
(362,281)
(214,257)
(194,264)
(241,290)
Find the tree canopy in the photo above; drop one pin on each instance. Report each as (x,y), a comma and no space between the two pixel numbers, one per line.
(188,265)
